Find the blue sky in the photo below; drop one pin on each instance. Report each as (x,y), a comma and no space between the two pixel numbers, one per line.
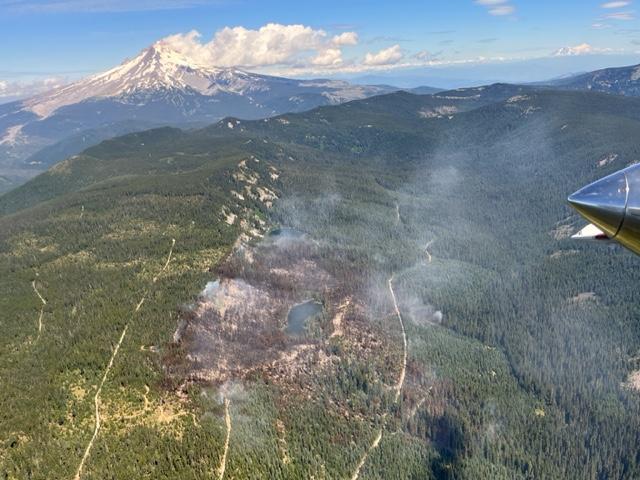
(65,39)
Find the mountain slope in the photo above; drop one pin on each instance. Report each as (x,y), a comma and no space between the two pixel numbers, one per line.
(159,73)
(159,86)
(519,341)
(617,81)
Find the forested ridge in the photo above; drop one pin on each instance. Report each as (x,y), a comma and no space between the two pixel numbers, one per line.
(520,341)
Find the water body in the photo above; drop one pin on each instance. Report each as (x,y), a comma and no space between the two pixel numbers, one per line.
(300,314)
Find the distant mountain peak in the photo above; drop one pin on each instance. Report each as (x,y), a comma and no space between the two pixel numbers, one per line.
(156,68)
(158,86)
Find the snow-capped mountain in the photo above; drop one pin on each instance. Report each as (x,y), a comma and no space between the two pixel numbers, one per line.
(159,86)
(618,81)
(155,69)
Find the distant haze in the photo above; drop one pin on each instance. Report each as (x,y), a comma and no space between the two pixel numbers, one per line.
(469,75)
(475,74)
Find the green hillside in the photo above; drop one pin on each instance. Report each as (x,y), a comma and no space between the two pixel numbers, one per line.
(519,341)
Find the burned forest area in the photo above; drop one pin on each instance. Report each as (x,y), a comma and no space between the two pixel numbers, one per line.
(381,289)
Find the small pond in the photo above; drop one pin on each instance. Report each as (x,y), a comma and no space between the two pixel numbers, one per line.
(300,314)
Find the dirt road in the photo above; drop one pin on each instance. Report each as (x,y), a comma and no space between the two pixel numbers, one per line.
(227,421)
(404,342)
(363,460)
(96,398)
(398,387)
(44,302)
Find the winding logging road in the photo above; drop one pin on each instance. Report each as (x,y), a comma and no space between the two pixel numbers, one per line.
(227,421)
(427,253)
(44,302)
(363,460)
(404,341)
(399,385)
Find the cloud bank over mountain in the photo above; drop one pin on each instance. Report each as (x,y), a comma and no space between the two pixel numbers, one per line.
(292,47)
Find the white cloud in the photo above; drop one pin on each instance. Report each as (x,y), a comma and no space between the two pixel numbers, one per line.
(361,67)
(346,38)
(502,10)
(621,16)
(270,45)
(619,4)
(497,7)
(330,57)
(281,48)
(15,90)
(423,55)
(303,51)
(386,56)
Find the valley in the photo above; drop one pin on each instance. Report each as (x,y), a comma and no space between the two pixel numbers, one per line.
(446,345)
